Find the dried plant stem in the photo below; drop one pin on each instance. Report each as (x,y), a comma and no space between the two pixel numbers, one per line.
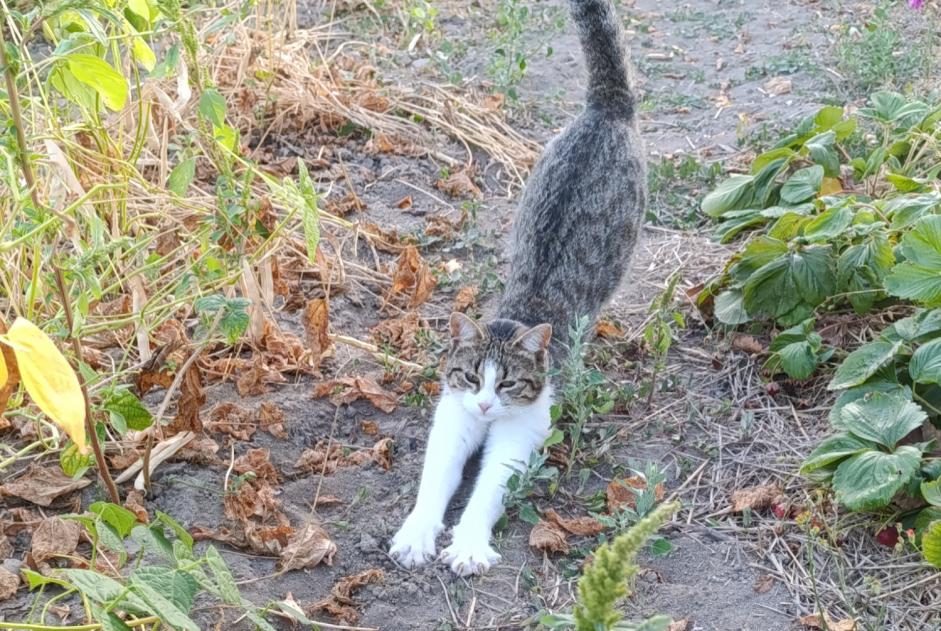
(17,116)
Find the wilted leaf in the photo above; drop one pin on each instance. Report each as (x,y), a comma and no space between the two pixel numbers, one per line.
(252,498)
(609,330)
(548,537)
(466,298)
(370,428)
(49,379)
(327,500)
(42,485)
(620,496)
(778,86)
(257,461)
(271,419)
(340,604)
(459,184)
(412,277)
(192,398)
(816,621)
(285,352)
(320,459)
(763,584)
(9,583)
(257,539)
(399,333)
(253,382)
(54,537)
(308,547)
(316,319)
(679,625)
(345,390)
(233,420)
(579,526)
(754,498)
(134,502)
(747,343)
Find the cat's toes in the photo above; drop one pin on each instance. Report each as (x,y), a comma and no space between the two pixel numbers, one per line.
(468,557)
(414,544)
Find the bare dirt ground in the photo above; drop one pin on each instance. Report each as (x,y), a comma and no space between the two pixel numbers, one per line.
(712,424)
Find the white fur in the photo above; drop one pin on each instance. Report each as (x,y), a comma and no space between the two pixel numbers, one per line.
(509,433)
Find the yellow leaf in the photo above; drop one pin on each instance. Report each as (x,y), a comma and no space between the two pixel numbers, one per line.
(830,186)
(49,379)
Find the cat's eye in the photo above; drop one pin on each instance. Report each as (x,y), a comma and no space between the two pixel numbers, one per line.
(506,385)
(472,378)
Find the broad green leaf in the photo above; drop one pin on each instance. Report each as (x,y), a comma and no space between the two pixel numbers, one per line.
(108,539)
(108,620)
(661,547)
(225,582)
(931,544)
(766,181)
(869,480)
(162,605)
(915,282)
(118,517)
(731,227)
(828,116)
(177,586)
(73,462)
(888,385)
(35,579)
(143,53)
(924,519)
(98,74)
(768,157)
(904,211)
(882,418)
(127,411)
(310,212)
(103,589)
(758,252)
(728,195)
(863,363)
(822,150)
(829,224)
(185,538)
(152,539)
(259,621)
(802,185)
(227,137)
(771,290)
(798,360)
(212,107)
(141,8)
(861,269)
(49,379)
(528,514)
(182,176)
(813,269)
(922,245)
(729,308)
(788,226)
(925,364)
(556,437)
(834,449)
(931,491)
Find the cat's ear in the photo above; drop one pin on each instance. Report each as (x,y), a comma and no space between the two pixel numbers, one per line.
(464,329)
(535,339)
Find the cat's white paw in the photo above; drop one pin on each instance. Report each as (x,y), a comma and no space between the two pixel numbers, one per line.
(468,556)
(414,544)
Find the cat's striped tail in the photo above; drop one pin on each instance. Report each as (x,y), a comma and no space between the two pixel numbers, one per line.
(609,73)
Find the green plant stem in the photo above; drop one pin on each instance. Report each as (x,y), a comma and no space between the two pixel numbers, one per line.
(94,626)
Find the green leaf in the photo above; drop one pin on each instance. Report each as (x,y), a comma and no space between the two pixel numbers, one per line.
(828,225)
(74,464)
(212,107)
(556,437)
(529,514)
(35,579)
(152,539)
(225,582)
(661,547)
(882,418)
(802,185)
(834,449)
(182,176)
(771,289)
(861,270)
(310,212)
(729,308)
(108,620)
(925,364)
(108,539)
(931,544)
(143,53)
(887,384)
(259,621)
(118,517)
(931,491)
(127,411)
(181,533)
(869,480)
(769,157)
(178,586)
(828,116)
(919,276)
(922,245)
(104,590)
(863,363)
(97,74)
(162,606)
(728,195)
(822,150)
(814,273)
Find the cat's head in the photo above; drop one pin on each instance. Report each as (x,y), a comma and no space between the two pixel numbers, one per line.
(497,366)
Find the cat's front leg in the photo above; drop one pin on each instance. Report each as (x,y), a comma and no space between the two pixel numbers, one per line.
(454,437)
(509,445)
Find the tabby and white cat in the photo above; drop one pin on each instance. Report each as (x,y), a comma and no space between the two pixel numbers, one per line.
(574,233)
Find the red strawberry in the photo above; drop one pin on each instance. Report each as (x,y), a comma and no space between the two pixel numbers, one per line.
(888,537)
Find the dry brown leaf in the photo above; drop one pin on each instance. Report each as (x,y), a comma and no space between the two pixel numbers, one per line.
(459,184)
(400,333)
(253,382)
(748,344)
(816,621)
(55,537)
(316,319)
(319,459)
(764,583)
(548,537)
(493,101)
(754,498)
(42,485)
(412,277)
(405,203)
(233,420)
(271,419)
(223,367)
(6,548)
(9,583)
(306,548)
(778,86)
(192,398)
(327,500)
(580,526)
(345,390)
(370,428)
(285,352)
(261,540)
(679,625)
(466,298)
(621,497)
(252,498)
(258,462)
(340,604)
(609,330)
(134,502)
(349,203)
(201,450)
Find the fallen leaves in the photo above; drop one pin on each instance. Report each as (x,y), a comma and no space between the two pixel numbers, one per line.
(399,333)
(231,419)
(271,419)
(345,390)
(251,498)
(134,502)
(254,381)
(54,537)
(411,278)
(192,398)
(459,184)
(42,485)
(764,583)
(306,548)
(466,298)
(747,344)
(755,497)
(9,583)
(609,330)
(257,461)
(550,534)
(818,621)
(321,459)
(340,603)
(316,319)
(620,494)
(580,526)
(777,86)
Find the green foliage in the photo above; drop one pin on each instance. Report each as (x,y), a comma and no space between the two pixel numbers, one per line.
(605,581)
(797,351)
(508,65)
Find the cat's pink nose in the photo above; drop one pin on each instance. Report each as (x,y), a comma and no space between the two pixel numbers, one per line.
(484,407)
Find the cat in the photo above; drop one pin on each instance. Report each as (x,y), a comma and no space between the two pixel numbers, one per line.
(574,233)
